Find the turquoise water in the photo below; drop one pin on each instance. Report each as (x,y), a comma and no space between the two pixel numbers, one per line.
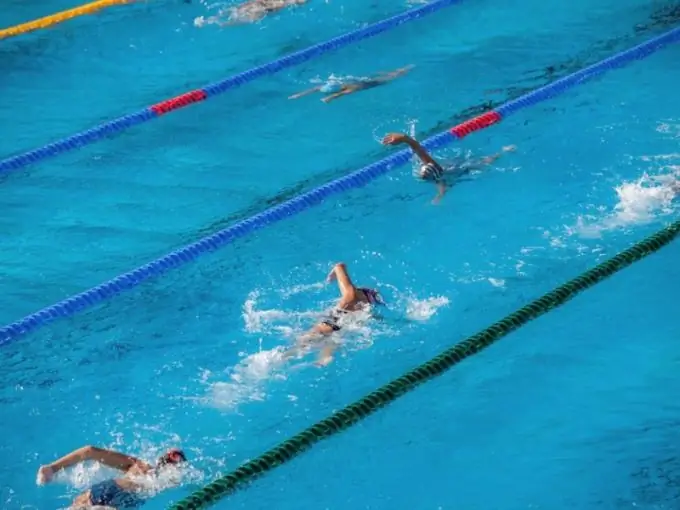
(190,359)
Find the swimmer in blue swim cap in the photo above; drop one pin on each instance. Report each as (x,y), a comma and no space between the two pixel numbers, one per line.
(431,170)
(336,87)
(352,299)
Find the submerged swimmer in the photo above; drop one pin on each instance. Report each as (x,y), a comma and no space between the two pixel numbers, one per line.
(431,170)
(126,492)
(352,299)
(248,12)
(336,87)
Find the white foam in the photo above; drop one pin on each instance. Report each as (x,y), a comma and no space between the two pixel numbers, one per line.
(305,287)
(423,309)
(638,202)
(257,321)
(247,379)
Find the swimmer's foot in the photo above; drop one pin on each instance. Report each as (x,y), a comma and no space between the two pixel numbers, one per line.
(324,361)
(325,357)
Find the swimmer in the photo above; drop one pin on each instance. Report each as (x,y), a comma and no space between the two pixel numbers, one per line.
(352,299)
(121,493)
(336,88)
(431,170)
(249,12)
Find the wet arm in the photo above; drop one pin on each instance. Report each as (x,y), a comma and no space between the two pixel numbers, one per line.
(304,93)
(345,284)
(109,458)
(420,151)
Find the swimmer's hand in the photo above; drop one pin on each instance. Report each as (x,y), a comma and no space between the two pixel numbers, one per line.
(395,139)
(509,148)
(45,474)
(332,276)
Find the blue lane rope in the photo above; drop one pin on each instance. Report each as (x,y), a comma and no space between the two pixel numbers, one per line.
(122,123)
(297,204)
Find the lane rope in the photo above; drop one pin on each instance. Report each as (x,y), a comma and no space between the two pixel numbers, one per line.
(59,17)
(385,395)
(168,105)
(356,179)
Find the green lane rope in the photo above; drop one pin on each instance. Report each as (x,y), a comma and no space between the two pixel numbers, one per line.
(387,394)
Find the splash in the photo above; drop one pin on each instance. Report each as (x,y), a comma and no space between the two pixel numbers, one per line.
(248,380)
(275,320)
(638,202)
(424,309)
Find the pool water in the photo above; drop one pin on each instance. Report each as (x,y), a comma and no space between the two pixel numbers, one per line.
(574,410)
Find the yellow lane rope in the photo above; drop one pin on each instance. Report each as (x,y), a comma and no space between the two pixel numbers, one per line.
(53,19)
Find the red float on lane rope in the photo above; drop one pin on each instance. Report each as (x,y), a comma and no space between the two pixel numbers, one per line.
(179,102)
(475,124)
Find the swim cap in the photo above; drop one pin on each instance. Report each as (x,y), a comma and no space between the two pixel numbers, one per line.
(374,298)
(431,171)
(172,456)
(331,87)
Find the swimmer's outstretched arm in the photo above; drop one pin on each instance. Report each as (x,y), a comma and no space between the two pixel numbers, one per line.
(109,458)
(423,155)
(305,92)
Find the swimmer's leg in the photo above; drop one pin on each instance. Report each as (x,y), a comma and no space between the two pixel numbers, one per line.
(305,342)
(386,77)
(326,355)
(490,159)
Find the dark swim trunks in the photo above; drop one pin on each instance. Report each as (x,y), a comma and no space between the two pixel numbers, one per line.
(334,318)
(109,493)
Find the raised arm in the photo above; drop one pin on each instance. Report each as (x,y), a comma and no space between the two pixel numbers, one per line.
(347,288)
(109,458)
(419,150)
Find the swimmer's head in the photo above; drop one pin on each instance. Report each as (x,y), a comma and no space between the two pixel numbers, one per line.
(173,457)
(430,172)
(331,87)
(374,297)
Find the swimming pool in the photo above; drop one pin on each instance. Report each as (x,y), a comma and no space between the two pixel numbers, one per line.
(192,346)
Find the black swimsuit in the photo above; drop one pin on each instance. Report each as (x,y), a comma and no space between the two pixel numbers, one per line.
(334,317)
